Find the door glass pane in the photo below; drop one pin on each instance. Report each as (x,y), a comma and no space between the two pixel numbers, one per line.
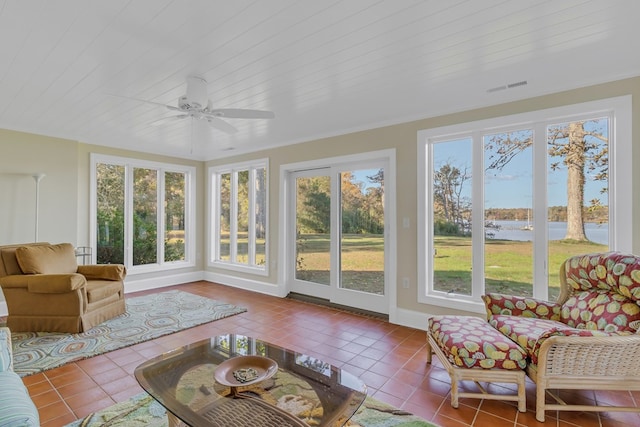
(362,237)
(452,216)
(110,211)
(508,207)
(225,217)
(242,235)
(261,214)
(578,182)
(145,216)
(174,211)
(313,221)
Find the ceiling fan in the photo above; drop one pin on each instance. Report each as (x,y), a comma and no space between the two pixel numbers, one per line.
(196,105)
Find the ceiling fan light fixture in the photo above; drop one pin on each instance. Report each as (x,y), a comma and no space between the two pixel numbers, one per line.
(197,95)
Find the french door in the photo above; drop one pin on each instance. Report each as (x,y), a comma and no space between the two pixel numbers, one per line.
(338,248)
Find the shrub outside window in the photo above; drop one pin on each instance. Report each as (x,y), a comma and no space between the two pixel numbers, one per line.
(142,213)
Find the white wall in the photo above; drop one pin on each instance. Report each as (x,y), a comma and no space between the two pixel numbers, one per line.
(64,198)
(64,192)
(403,139)
(22,156)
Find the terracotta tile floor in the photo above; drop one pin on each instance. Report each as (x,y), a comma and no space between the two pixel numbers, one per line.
(389,358)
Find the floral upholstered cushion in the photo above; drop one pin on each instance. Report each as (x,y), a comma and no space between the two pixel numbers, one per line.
(604,311)
(521,306)
(606,292)
(530,333)
(471,342)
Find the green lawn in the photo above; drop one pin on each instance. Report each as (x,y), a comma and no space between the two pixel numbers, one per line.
(242,254)
(362,261)
(508,265)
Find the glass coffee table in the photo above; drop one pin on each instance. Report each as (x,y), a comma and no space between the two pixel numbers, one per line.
(236,380)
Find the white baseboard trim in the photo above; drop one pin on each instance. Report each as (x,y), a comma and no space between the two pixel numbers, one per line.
(136,285)
(409,318)
(398,316)
(248,284)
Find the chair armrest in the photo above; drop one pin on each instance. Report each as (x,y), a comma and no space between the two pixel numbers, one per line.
(591,358)
(13,281)
(45,283)
(512,305)
(103,271)
(6,352)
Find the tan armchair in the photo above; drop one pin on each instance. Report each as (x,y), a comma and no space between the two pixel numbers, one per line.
(47,291)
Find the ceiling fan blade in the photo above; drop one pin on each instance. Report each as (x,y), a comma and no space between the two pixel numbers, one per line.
(221,125)
(241,113)
(170,107)
(168,119)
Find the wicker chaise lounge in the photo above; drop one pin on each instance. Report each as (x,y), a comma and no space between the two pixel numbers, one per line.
(588,339)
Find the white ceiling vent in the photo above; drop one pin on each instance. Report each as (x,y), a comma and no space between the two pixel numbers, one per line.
(516,84)
(507,86)
(496,89)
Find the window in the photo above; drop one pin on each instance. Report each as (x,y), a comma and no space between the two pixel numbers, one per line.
(503,202)
(142,213)
(239,216)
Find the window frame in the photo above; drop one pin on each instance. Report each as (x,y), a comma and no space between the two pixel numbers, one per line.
(190,211)
(619,111)
(214,173)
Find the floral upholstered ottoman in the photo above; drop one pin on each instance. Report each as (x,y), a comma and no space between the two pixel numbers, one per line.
(472,350)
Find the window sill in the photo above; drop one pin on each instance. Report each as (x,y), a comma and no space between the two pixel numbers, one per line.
(153,268)
(453,301)
(241,268)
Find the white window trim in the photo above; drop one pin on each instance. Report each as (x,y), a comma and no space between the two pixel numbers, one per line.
(620,167)
(190,214)
(214,222)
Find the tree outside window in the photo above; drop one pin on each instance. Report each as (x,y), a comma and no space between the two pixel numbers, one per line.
(239,215)
(507,204)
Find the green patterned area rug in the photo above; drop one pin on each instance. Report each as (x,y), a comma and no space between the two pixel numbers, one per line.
(142,410)
(147,317)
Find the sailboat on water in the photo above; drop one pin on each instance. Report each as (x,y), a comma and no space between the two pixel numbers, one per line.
(529,226)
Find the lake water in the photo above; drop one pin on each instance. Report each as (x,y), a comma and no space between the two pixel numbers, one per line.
(513,230)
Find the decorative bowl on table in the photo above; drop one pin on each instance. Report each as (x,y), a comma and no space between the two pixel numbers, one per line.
(245,370)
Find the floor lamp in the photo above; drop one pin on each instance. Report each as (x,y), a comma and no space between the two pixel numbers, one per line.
(37,177)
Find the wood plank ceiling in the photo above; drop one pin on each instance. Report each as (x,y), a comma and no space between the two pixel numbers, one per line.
(324,67)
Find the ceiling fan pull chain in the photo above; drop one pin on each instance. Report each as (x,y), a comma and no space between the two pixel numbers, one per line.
(191,131)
